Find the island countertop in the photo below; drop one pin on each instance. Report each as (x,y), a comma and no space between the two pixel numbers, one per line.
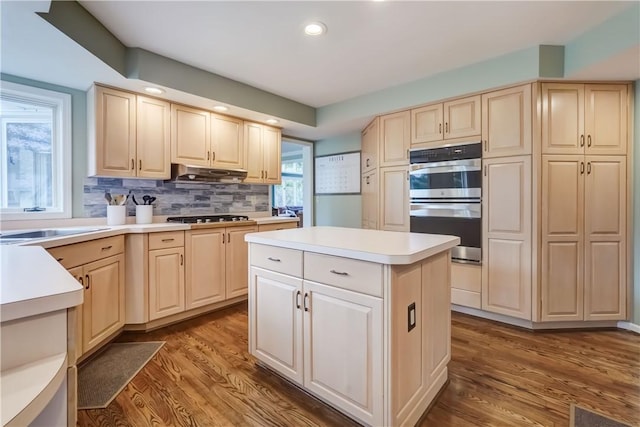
(384,247)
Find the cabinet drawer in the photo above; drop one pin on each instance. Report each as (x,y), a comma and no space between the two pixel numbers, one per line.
(282,260)
(466,276)
(354,275)
(83,253)
(166,239)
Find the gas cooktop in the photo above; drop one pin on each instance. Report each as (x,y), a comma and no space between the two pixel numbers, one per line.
(202,219)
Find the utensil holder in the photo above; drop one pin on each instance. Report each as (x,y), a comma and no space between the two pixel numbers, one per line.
(144,214)
(116,215)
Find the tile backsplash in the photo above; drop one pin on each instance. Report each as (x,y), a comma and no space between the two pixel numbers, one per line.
(177,198)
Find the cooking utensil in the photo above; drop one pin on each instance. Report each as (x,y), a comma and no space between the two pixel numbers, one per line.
(118,199)
(151,200)
(107,197)
(133,197)
(145,199)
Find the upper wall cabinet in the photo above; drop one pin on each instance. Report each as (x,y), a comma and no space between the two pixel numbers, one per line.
(263,160)
(128,135)
(370,138)
(227,142)
(394,139)
(506,122)
(190,136)
(458,118)
(584,119)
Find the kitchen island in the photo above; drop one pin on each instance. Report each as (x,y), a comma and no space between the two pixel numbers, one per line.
(358,318)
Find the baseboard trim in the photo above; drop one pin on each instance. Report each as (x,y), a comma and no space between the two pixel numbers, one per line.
(629,327)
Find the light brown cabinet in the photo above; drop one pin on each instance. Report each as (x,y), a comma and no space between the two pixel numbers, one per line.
(166,274)
(583,237)
(99,266)
(507,236)
(506,122)
(584,118)
(227,142)
(394,139)
(190,136)
(263,159)
(453,119)
(128,135)
(216,265)
(370,200)
(369,149)
(394,198)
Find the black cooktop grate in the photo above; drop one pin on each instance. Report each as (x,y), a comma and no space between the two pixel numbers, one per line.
(198,219)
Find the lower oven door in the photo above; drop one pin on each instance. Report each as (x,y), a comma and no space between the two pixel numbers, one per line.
(456,219)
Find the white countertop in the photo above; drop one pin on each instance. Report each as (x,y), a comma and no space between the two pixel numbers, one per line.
(32,282)
(384,247)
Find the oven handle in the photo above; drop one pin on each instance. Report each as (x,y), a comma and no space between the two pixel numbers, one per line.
(446,210)
(457,165)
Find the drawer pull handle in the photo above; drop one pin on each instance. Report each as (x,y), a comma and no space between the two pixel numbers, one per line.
(340,273)
(59,259)
(298,293)
(274,259)
(181,259)
(106,248)
(168,240)
(306,307)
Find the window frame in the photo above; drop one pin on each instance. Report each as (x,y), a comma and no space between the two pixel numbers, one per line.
(61,155)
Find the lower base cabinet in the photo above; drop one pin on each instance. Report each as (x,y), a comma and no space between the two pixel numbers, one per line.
(331,338)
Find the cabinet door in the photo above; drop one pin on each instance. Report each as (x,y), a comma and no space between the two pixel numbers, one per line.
(395,139)
(343,349)
(253,147)
(370,200)
(462,117)
(370,138)
(271,155)
(426,124)
(227,142)
(190,131)
(153,144)
(506,122)
(562,118)
(166,282)
(237,261)
(605,238)
(103,307)
(275,332)
(205,267)
(606,126)
(506,231)
(115,127)
(562,221)
(394,198)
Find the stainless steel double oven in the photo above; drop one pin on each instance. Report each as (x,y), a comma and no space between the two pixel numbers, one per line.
(446,196)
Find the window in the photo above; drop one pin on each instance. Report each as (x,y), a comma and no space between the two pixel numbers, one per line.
(290,192)
(35,153)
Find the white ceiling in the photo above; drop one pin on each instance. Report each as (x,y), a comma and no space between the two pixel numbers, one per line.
(369,45)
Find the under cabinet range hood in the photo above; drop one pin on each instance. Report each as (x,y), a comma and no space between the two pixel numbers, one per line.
(186,173)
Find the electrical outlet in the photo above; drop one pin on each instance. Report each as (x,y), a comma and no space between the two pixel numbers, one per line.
(411,316)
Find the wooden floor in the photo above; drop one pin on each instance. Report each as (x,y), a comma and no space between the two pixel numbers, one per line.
(499,376)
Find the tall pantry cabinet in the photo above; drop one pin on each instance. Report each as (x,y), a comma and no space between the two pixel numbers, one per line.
(584,201)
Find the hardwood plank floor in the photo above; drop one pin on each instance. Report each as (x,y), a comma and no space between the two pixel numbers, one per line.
(499,376)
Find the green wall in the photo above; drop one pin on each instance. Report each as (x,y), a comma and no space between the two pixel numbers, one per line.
(340,210)
(78,136)
(636,207)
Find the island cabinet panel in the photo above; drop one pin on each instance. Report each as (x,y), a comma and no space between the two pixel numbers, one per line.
(374,337)
(276,328)
(343,349)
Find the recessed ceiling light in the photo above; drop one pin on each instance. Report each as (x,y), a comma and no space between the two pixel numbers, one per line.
(315,29)
(153,90)
(272,121)
(221,108)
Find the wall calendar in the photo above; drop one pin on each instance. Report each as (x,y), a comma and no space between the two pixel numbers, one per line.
(338,174)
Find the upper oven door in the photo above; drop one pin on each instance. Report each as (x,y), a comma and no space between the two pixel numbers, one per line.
(448,179)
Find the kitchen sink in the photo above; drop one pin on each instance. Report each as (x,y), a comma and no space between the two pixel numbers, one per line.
(43,234)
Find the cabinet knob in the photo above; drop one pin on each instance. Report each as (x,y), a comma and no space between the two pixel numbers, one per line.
(446,127)
(581,168)
(439,127)
(87,283)
(588,168)
(306,307)
(581,140)
(298,293)
(181,259)
(588,140)
(140,165)
(133,164)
